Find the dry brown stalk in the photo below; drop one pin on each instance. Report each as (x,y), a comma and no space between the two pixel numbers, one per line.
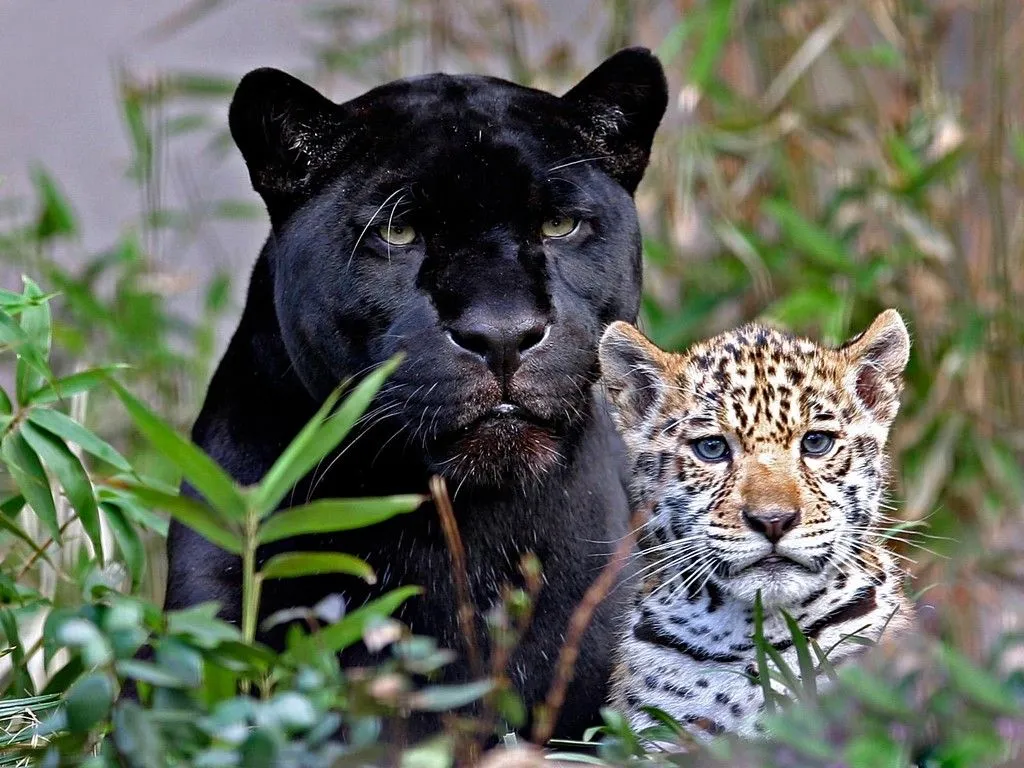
(578,624)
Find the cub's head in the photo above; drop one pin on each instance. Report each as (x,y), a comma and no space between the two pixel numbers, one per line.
(484,229)
(760,454)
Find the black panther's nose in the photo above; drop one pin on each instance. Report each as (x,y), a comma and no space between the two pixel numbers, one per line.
(772,523)
(501,342)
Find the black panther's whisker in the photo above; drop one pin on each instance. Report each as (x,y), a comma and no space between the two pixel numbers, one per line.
(370,224)
(391,218)
(577,162)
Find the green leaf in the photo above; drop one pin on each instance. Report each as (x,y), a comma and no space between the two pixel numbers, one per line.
(318,438)
(327,515)
(28,354)
(442,698)
(200,622)
(199,469)
(69,429)
(138,740)
(714,34)
(76,383)
(73,478)
(88,702)
(874,693)
(196,515)
(35,322)
(28,473)
(804,307)
(5,403)
(339,636)
(978,684)
(808,679)
(148,673)
(16,503)
(760,648)
(288,565)
(22,684)
(808,237)
(55,217)
(133,552)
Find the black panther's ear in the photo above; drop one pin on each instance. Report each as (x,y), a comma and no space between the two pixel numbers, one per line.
(621,104)
(633,374)
(286,132)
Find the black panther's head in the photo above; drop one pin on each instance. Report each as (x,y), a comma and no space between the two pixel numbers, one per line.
(485,229)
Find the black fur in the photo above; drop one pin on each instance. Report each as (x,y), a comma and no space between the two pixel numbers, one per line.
(499,328)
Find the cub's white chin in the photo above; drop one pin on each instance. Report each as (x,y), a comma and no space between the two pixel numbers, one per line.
(781,584)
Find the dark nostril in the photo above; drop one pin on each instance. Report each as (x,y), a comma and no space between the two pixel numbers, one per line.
(773,524)
(477,342)
(533,336)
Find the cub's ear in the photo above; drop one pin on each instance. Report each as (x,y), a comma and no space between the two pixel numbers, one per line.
(286,132)
(621,104)
(877,359)
(632,371)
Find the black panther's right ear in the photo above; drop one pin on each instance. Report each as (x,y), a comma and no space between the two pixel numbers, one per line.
(286,132)
(633,374)
(621,104)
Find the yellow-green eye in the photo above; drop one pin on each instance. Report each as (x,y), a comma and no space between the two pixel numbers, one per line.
(559,226)
(397,234)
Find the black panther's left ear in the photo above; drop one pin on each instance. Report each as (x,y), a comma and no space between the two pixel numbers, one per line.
(286,132)
(621,104)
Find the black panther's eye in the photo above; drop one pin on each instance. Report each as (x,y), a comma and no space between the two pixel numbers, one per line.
(711,448)
(397,234)
(559,226)
(817,443)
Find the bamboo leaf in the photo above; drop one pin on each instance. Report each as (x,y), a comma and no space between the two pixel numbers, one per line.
(714,34)
(55,217)
(441,698)
(15,504)
(69,386)
(28,354)
(199,469)
(196,515)
(36,323)
(128,542)
(67,428)
(339,636)
(73,479)
(288,565)
(28,473)
(808,237)
(319,437)
(328,515)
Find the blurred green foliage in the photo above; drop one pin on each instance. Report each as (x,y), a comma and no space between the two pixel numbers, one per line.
(820,161)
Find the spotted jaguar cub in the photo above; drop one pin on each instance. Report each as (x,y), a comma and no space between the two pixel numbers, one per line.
(760,458)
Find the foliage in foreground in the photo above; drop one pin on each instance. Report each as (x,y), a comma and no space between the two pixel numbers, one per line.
(210,694)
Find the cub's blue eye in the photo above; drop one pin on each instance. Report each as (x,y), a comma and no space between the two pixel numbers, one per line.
(817,443)
(711,448)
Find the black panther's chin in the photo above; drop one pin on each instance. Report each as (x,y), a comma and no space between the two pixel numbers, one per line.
(499,449)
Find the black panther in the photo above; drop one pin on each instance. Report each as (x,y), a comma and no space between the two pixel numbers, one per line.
(487,231)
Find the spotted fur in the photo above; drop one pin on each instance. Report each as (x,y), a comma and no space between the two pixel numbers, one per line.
(768,517)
